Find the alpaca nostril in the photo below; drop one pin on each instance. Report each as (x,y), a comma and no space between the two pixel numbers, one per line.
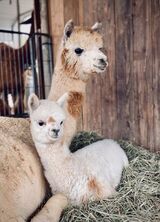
(102,61)
(56,131)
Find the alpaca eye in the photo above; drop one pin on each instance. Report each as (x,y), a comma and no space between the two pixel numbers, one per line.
(61,122)
(78,51)
(41,123)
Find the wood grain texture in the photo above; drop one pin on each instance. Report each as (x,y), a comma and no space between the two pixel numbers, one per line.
(106,11)
(123,60)
(124,102)
(56,23)
(155,10)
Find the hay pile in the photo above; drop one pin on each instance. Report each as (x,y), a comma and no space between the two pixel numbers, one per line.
(138,197)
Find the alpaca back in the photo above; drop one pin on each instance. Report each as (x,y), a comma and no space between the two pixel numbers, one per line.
(20,176)
(106,158)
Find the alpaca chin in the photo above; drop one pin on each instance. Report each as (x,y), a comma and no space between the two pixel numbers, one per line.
(54,138)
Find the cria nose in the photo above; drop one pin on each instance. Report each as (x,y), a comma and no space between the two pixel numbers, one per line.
(56,131)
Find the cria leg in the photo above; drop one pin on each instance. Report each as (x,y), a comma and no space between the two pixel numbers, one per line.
(52,210)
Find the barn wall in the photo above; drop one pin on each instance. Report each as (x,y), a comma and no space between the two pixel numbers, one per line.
(125,101)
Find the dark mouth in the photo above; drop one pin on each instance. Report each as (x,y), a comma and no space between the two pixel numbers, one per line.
(101,67)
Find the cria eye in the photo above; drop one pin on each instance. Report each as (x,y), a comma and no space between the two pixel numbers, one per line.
(61,122)
(78,51)
(41,123)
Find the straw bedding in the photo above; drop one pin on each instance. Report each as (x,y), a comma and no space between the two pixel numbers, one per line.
(138,195)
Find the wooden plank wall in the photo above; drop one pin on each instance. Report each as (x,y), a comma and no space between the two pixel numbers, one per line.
(125,101)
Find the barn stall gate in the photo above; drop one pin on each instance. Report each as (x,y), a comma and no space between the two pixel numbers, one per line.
(23,70)
(124,102)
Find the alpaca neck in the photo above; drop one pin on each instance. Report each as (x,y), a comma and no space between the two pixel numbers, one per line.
(53,154)
(62,82)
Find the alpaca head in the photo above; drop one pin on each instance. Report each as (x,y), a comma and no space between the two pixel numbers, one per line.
(82,51)
(46,118)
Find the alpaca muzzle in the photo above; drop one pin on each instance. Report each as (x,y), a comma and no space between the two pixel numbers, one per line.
(55,132)
(103,64)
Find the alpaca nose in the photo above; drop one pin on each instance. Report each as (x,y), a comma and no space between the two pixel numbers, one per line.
(56,131)
(103,62)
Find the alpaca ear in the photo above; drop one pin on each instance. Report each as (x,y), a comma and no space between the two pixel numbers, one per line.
(97,26)
(33,102)
(68,29)
(61,101)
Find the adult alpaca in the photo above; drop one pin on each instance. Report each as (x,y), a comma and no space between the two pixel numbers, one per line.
(90,173)
(16,129)
(79,56)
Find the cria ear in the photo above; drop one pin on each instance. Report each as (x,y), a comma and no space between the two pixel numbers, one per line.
(68,29)
(61,101)
(97,26)
(33,102)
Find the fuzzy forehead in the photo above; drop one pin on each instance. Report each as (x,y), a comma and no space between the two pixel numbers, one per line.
(85,38)
(48,109)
